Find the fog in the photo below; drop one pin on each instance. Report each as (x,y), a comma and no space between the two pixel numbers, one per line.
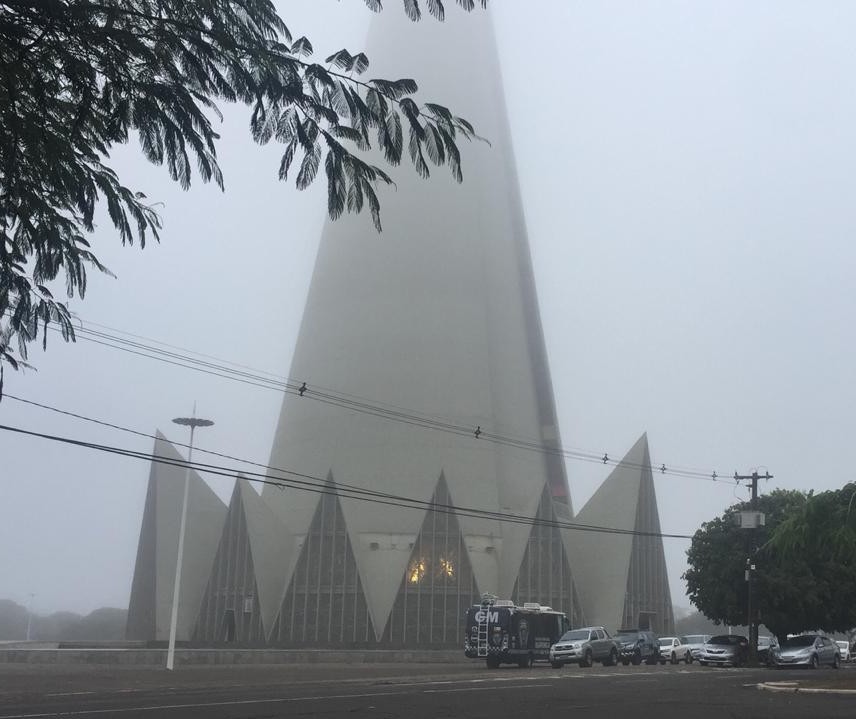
(687,173)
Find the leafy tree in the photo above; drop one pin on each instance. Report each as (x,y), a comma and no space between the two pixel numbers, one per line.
(716,559)
(79,76)
(818,540)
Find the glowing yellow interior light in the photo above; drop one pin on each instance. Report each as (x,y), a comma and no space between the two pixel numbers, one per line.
(417,571)
(447,568)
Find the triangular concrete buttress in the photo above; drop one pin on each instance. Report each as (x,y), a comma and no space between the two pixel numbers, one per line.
(324,603)
(161,521)
(142,604)
(648,601)
(438,585)
(230,610)
(271,544)
(545,576)
(601,560)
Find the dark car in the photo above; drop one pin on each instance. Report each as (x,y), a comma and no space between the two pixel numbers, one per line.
(724,649)
(766,647)
(638,645)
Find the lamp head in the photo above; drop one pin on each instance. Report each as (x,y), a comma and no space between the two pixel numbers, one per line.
(193,422)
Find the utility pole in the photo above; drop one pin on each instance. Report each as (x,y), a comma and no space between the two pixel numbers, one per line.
(755,521)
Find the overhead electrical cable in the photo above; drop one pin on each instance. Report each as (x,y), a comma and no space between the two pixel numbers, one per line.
(319,485)
(249,376)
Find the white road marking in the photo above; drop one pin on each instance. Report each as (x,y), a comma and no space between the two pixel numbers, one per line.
(199,705)
(274,700)
(477,689)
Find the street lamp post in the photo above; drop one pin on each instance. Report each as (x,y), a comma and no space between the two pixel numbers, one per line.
(192,422)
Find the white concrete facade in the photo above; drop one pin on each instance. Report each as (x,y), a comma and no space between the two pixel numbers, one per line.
(438,317)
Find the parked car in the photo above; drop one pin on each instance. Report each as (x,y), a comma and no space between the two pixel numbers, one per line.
(695,642)
(636,645)
(766,646)
(724,649)
(807,650)
(584,646)
(844,650)
(674,651)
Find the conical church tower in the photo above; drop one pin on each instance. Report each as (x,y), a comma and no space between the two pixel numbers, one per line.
(436,315)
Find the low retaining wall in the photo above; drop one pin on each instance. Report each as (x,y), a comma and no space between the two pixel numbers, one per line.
(157,657)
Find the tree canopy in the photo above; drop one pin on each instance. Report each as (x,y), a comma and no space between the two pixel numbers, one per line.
(805,560)
(80,76)
(819,537)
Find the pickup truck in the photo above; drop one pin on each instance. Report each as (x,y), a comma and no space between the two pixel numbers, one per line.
(584,646)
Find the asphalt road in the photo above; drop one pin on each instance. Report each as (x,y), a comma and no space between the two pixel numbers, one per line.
(414,691)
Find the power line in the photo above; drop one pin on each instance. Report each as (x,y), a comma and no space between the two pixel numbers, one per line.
(147,435)
(318,485)
(249,376)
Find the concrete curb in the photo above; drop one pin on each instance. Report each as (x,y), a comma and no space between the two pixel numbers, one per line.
(795,688)
(156,657)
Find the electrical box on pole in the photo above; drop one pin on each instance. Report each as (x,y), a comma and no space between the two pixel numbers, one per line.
(750,519)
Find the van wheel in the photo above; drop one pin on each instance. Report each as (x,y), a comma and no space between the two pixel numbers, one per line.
(674,658)
(493,663)
(688,657)
(586,660)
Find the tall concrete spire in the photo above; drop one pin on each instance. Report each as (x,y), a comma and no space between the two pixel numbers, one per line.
(438,315)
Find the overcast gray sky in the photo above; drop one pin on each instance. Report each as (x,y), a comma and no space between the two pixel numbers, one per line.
(687,173)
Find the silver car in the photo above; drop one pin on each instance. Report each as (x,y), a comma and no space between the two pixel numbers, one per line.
(584,646)
(724,649)
(695,642)
(807,650)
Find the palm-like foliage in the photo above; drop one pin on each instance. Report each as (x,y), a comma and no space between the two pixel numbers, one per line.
(805,563)
(78,76)
(821,535)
